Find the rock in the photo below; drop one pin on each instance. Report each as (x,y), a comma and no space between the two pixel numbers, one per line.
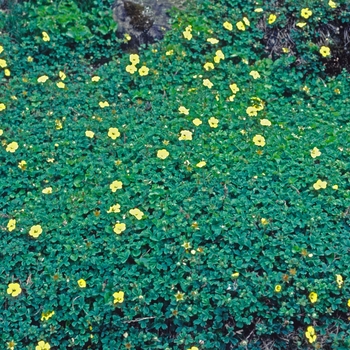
(144,20)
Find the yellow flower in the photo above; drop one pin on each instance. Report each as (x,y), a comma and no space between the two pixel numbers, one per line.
(335,187)
(201,164)
(179,296)
(220,54)
(2,106)
(259,10)
(42,79)
(47,315)
(47,190)
(1,48)
(14,289)
(315,152)
(103,104)
(265,122)
(252,111)
(1,132)
(310,334)
(43,346)
(134,59)
(313,297)
(30,59)
(11,225)
(234,88)
(143,71)
(95,78)
(301,24)
(118,297)
(113,133)
(58,124)
(254,74)
(306,13)
(127,37)
(131,69)
(259,140)
(22,165)
(196,121)
(213,40)
(228,25)
(162,154)
(235,275)
(278,288)
(285,49)
(187,34)
(89,134)
(3,63)
(217,59)
(11,345)
(137,213)
(186,245)
(62,75)
(240,25)
(184,110)
(348,302)
(193,348)
(82,283)
(213,122)
(35,231)
(61,85)
(12,147)
(50,160)
(339,280)
(116,185)
(208,66)
(332,4)
(264,221)
(7,72)
(45,36)
(246,21)
(114,208)
(185,135)
(306,89)
(272,18)
(325,51)
(119,228)
(319,184)
(207,83)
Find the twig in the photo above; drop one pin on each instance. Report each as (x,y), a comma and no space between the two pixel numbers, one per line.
(139,319)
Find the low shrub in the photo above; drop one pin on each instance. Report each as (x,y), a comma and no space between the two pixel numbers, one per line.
(192,196)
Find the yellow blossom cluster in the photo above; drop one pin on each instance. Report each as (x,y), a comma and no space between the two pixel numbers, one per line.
(131,68)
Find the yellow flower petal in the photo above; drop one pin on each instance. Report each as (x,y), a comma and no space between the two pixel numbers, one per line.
(119,228)
(162,154)
(42,79)
(45,36)
(228,26)
(89,134)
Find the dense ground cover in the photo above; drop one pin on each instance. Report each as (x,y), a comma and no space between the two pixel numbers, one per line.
(193,195)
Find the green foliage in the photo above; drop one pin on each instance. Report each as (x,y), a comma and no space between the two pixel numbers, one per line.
(90,34)
(226,253)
